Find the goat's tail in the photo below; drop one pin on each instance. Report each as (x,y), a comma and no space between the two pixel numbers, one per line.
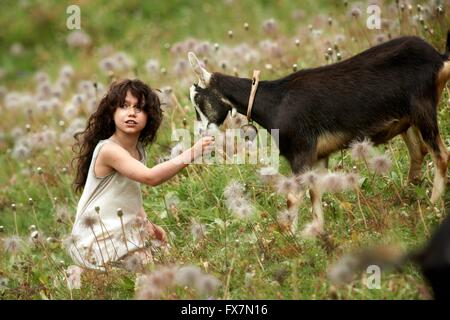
(384,257)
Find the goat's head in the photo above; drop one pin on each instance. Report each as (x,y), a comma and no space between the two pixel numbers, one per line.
(210,105)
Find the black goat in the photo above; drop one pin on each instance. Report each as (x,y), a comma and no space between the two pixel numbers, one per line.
(390,89)
(433,260)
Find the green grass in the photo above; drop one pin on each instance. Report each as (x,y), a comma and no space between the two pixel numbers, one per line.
(253,259)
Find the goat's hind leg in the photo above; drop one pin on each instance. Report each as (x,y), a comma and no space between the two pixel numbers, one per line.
(417,151)
(428,126)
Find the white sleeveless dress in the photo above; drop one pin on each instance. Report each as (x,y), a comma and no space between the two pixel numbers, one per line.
(105,241)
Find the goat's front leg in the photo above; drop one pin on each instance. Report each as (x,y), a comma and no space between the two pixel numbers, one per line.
(301,162)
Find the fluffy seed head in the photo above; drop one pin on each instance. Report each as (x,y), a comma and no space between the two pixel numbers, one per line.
(89,221)
(380,164)
(361,150)
(12,245)
(286,185)
(233,190)
(133,263)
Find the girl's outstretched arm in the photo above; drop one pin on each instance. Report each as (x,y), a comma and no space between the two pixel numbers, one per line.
(117,158)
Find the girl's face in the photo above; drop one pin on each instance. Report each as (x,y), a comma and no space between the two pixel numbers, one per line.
(130,118)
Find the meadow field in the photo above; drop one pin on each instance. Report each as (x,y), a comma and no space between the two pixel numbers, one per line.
(229,231)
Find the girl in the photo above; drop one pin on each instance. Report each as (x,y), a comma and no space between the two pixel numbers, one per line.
(110,223)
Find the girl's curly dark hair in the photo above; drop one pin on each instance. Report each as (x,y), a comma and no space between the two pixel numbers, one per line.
(101,125)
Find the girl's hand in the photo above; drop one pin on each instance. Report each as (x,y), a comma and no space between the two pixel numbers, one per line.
(203,145)
(157,232)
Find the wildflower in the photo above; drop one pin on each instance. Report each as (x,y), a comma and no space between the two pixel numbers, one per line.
(244,211)
(248,279)
(62,213)
(3,283)
(230,34)
(66,72)
(146,292)
(16,49)
(298,14)
(133,263)
(187,275)
(233,190)
(78,39)
(246,26)
(288,220)
(207,285)
(197,230)
(203,48)
(355,12)
(330,21)
(151,286)
(270,26)
(108,64)
(181,67)
(333,182)
(286,185)
(313,229)
(52,241)
(176,150)
(172,202)
(330,52)
(361,149)
(44,90)
(152,66)
(21,151)
(380,164)
(309,178)
(12,244)
(223,64)
(343,271)
(89,221)
(352,180)
(70,240)
(269,174)
(380,38)
(35,237)
(74,277)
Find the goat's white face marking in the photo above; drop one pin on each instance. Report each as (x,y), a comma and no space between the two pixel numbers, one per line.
(204,120)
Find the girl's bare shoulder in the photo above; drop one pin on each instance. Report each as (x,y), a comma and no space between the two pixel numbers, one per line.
(106,155)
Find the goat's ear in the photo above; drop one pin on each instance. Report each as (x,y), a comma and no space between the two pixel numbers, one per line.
(203,75)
